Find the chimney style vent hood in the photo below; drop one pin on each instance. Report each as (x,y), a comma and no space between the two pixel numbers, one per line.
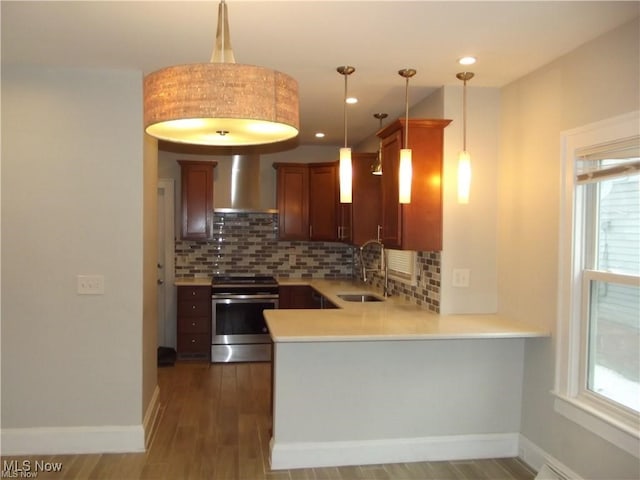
(237,185)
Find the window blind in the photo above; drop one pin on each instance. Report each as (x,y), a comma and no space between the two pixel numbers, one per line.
(608,160)
(402,265)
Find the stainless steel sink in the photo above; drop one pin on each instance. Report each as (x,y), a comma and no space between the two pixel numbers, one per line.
(359,297)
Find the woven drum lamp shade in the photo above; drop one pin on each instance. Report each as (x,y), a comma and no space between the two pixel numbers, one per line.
(221,104)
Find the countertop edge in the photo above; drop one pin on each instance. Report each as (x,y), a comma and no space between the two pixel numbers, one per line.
(404,338)
(478,326)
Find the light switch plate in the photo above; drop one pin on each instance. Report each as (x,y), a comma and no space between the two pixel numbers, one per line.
(90,284)
(461,277)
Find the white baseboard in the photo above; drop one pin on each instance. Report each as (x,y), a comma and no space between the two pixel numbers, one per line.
(72,440)
(151,417)
(366,452)
(536,457)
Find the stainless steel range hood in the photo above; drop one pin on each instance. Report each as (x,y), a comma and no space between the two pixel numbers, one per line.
(237,187)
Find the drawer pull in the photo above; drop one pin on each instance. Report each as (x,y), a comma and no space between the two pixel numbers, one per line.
(193,324)
(193,307)
(193,340)
(193,292)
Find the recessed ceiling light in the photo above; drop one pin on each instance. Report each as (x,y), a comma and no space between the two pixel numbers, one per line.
(319,135)
(351,100)
(467,60)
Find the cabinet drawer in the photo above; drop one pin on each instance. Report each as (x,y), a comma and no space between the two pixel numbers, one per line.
(194,343)
(193,324)
(194,308)
(194,293)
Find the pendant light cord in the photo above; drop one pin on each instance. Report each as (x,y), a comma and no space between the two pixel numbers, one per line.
(345,109)
(464,115)
(465,77)
(406,113)
(346,71)
(407,73)
(222,50)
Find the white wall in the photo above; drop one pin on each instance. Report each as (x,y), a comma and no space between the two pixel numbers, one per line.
(597,81)
(412,401)
(72,175)
(469,230)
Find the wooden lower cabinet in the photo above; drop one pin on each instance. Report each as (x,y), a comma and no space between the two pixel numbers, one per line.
(302,296)
(295,296)
(194,322)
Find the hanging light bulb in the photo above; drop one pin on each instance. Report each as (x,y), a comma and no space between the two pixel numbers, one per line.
(405,172)
(376,167)
(464,159)
(345,167)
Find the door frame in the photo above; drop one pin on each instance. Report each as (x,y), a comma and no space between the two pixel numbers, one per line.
(170,299)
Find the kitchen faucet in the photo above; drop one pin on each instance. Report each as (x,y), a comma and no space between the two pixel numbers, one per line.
(383,264)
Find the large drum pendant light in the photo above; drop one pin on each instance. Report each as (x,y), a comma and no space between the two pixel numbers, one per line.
(221,103)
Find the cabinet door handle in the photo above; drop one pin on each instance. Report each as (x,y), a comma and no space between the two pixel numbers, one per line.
(193,340)
(193,324)
(310,231)
(193,307)
(193,293)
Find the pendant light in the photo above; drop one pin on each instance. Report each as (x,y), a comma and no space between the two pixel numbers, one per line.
(376,167)
(221,103)
(345,167)
(405,172)
(464,159)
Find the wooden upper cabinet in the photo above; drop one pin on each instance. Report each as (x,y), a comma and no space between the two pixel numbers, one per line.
(366,209)
(391,212)
(308,201)
(197,199)
(417,225)
(292,200)
(323,201)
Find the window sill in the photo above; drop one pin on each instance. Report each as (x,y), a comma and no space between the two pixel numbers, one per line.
(619,434)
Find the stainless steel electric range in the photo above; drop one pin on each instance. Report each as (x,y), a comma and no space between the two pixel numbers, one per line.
(239,332)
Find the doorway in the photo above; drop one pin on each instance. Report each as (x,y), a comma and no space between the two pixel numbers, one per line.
(166,264)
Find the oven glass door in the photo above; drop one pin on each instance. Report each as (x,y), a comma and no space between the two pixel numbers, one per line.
(240,321)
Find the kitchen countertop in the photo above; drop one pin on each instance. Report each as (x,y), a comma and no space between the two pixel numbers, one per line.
(192,282)
(391,319)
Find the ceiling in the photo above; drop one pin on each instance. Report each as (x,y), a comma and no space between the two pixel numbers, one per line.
(309,39)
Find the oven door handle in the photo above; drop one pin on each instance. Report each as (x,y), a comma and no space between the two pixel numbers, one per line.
(243,298)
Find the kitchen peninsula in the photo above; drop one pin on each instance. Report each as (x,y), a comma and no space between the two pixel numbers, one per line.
(387,381)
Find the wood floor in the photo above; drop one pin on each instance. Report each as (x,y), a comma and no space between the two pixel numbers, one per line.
(215,424)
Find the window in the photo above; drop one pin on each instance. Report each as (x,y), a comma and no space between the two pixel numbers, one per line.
(598,362)
(401,265)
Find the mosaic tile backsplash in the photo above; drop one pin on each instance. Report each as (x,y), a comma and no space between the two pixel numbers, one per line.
(247,244)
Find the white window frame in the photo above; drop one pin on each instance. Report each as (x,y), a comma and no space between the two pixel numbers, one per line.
(572,400)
